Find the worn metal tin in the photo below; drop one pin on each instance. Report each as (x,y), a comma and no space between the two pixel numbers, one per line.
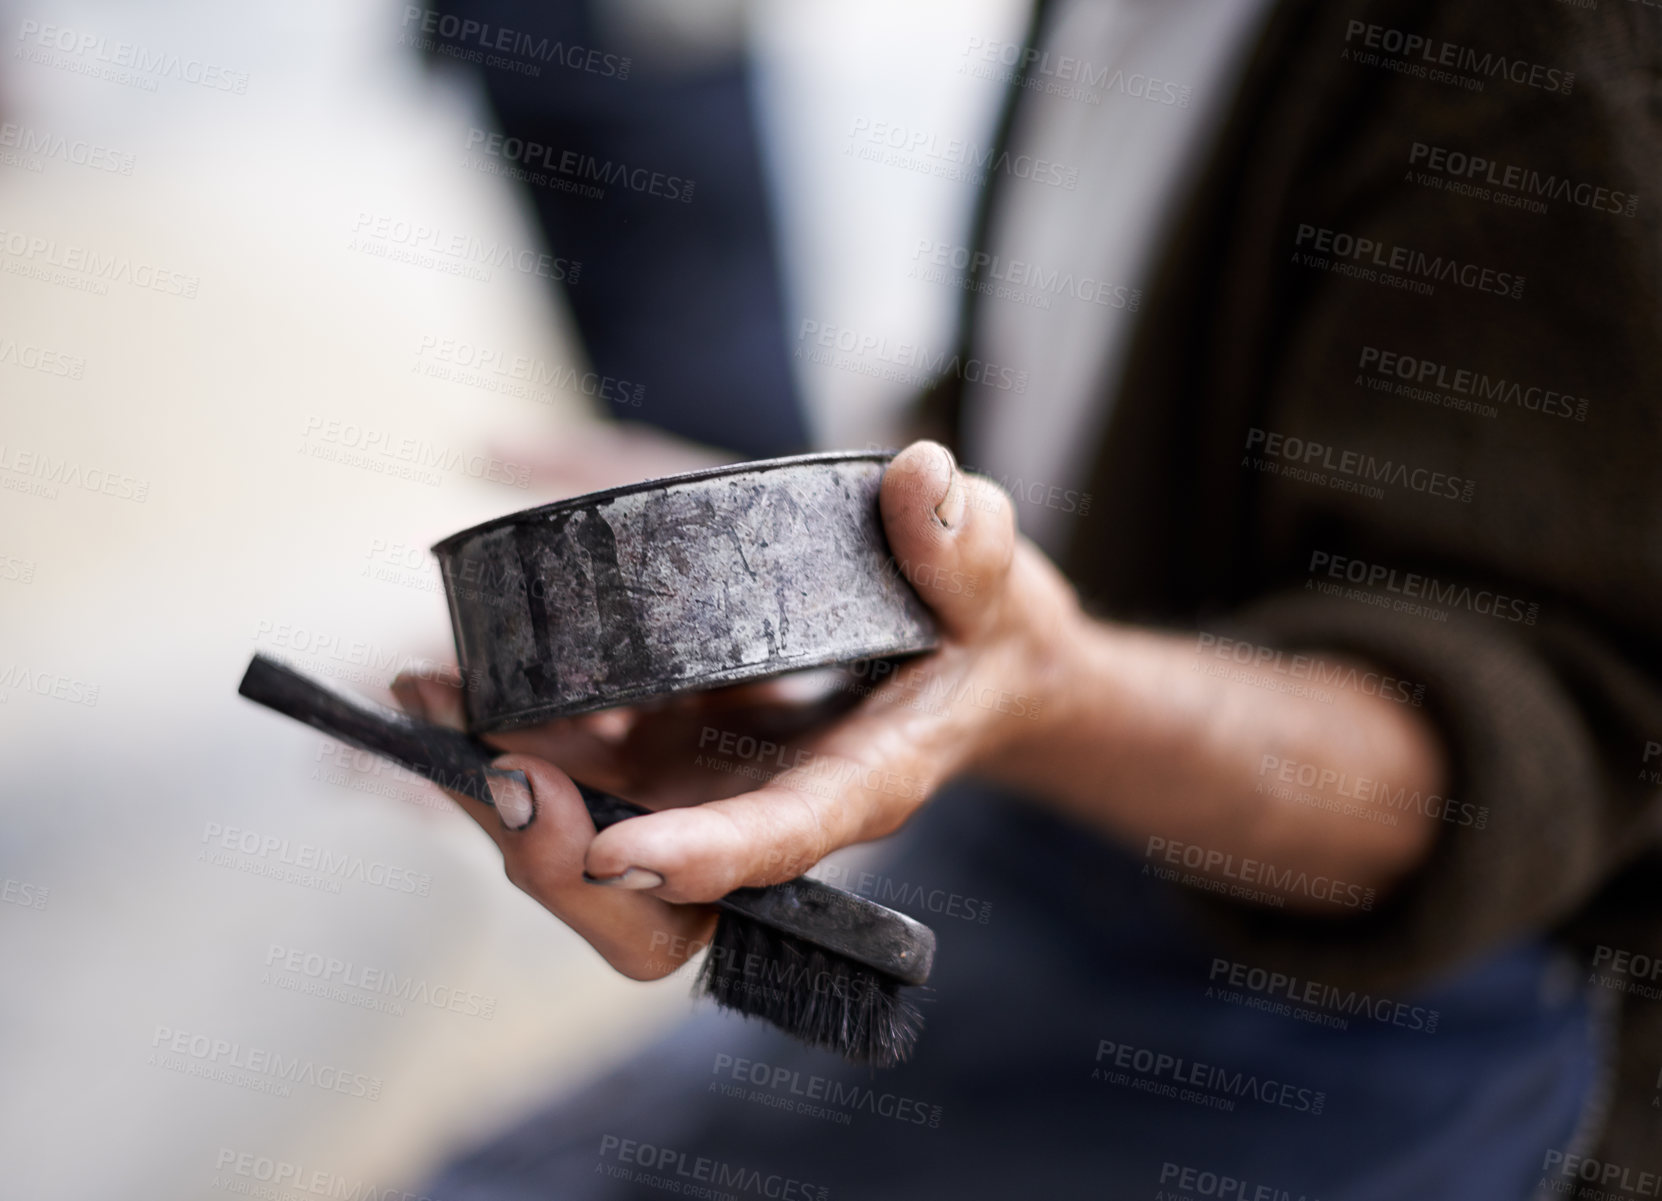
(716,577)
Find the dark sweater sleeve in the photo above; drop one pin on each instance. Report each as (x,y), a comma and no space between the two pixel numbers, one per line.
(1550,708)
(1538,813)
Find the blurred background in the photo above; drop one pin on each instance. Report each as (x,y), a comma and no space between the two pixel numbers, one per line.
(245,381)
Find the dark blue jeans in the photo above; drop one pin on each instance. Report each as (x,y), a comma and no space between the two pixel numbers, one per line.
(1084,1039)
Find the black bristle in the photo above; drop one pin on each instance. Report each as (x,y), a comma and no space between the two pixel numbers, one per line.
(814,995)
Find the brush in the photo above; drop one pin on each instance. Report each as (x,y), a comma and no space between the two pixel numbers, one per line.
(826,966)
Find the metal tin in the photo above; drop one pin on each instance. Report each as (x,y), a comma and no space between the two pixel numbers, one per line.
(716,577)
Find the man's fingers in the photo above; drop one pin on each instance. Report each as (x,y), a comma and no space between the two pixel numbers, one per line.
(779,831)
(640,935)
(543,829)
(703,852)
(588,745)
(952,535)
(433,698)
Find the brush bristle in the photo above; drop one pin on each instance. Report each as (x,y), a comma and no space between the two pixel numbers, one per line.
(814,995)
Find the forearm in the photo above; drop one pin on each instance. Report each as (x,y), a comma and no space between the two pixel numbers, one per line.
(1138,738)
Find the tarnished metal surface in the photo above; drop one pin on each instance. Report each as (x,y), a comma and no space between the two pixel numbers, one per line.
(716,577)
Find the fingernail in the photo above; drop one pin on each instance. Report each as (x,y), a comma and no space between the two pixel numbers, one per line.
(635,878)
(516,804)
(951,509)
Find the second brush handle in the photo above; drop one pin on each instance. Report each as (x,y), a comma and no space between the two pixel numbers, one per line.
(809,909)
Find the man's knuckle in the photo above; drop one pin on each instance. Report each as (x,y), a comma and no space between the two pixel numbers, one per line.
(521,877)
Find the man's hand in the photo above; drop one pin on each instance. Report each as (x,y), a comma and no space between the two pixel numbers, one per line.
(1006,616)
(1112,724)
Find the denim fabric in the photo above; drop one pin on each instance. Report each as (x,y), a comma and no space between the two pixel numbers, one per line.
(1011,1095)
